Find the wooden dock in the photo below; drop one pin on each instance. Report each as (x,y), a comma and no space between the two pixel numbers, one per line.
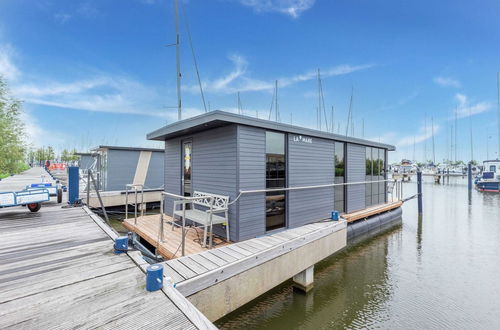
(370,211)
(58,270)
(19,181)
(148,228)
(220,280)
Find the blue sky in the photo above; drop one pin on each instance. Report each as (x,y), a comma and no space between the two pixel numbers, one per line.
(98,72)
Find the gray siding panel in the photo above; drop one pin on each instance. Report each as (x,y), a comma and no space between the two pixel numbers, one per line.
(214,168)
(172,171)
(86,161)
(252,176)
(309,164)
(156,173)
(356,170)
(121,168)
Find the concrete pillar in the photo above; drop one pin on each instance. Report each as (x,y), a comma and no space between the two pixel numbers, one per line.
(304,281)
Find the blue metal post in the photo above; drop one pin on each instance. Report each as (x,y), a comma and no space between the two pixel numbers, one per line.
(154,277)
(469,176)
(121,244)
(73,183)
(419,191)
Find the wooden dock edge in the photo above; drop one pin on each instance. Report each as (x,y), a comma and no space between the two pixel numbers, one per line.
(185,306)
(242,281)
(362,214)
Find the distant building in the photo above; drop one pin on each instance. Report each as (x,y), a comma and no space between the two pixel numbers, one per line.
(118,166)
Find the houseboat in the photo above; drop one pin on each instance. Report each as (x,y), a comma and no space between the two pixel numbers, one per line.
(229,154)
(116,167)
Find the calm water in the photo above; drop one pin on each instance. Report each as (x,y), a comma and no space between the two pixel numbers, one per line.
(441,272)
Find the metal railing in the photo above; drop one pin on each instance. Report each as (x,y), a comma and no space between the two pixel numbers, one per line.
(185,200)
(396,192)
(134,188)
(90,178)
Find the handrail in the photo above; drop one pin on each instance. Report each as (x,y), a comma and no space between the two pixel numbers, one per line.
(242,192)
(187,199)
(134,186)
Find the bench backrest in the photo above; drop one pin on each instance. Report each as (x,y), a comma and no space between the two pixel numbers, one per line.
(219,201)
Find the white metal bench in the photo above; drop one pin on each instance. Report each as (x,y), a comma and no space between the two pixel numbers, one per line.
(207,215)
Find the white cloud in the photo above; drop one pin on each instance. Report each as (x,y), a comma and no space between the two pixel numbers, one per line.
(238,80)
(104,92)
(423,133)
(7,68)
(447,82)
(293,8)
(464,109)
(62,18)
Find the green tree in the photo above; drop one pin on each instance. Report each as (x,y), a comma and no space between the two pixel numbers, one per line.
(12,133)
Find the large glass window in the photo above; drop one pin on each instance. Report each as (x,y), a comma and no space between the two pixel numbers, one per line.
(368,176)
(187,147)
(339,191)
(375,171)
(275,178)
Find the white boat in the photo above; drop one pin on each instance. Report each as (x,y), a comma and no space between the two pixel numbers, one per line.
(489,180)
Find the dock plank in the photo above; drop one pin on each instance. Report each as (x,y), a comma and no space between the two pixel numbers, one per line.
(58,270)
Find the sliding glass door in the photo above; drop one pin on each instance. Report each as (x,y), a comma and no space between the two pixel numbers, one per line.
(275,178)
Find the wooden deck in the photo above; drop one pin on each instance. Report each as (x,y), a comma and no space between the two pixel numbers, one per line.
(58,270)
(373,210)
(148,228)
(196,272)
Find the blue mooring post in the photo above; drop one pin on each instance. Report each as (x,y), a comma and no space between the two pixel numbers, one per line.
(121,244)
(335,215)
(469,176)
(419,192)
(154,277)
(73,183)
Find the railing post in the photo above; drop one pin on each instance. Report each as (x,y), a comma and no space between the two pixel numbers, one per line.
(126,202)
(161,217)
(142,200)
(88,188)
(99,196)
(135,208)
(419,192)
(183,238)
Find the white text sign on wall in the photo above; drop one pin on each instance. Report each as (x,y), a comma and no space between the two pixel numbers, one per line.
(303,139)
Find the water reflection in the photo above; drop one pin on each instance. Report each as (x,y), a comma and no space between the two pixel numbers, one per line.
(401,280)
(348,289)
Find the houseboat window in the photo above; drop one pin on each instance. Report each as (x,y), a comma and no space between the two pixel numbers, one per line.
(493,168)
(375,171)
(339,191)
(187,147)
(275,178)
(368,176)
(381,176)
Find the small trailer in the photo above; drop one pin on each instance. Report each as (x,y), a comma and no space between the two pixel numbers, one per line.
(54,191)
(32,198)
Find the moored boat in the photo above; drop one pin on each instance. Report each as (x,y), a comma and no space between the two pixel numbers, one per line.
(489,180)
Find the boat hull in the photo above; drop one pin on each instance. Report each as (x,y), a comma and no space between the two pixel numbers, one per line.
(488,186)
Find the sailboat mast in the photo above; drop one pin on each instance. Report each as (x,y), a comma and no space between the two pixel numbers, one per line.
(433,145)
(178,60)
(276,100)
(498,105)
(425,141)
(455,132)
(318,110)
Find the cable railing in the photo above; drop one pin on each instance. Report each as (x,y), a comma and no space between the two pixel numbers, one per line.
(394,188)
